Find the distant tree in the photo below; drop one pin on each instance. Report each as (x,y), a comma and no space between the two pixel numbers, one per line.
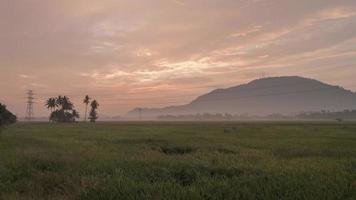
(66,103)
(93,115)
(6,117)
(75,114)
(65,111)
(59,100)
(228,116)
(86,101)
(51,104)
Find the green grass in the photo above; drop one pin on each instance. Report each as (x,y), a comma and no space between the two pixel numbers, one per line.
(178,161)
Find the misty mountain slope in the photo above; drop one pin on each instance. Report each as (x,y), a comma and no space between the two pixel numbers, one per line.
(284,95)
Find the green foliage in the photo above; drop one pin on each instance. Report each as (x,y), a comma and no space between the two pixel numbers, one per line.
(65,111)
(178,161)
(93,115)
(51,103)
(6,117)
(86,100)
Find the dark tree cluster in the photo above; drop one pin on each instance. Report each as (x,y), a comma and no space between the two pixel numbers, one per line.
(93,115)
(325,114)
(86,101)
(62,109)
(197,117)
(6,117)
(322,115)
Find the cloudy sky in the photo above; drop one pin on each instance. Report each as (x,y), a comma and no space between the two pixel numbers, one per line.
(153,53)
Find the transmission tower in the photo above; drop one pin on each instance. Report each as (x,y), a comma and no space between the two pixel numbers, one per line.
(29,109)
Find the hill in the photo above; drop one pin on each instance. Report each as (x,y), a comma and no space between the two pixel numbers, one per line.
(283,95)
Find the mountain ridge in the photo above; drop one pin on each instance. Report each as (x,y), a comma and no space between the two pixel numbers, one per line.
(282,95)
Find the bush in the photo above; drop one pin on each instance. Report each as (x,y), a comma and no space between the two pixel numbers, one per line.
(177,150)
(6,117)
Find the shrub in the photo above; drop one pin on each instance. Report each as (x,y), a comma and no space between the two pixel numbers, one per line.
(177,150)
(6,117)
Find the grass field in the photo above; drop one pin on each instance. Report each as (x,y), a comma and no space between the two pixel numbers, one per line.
(178,161)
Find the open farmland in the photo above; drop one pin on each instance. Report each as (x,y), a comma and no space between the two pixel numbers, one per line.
(163,160)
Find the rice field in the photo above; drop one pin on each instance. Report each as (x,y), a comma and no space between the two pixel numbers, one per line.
(178,160)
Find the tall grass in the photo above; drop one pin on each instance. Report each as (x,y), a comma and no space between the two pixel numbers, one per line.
(178,161)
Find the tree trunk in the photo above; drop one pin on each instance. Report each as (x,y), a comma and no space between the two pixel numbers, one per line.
(50,115)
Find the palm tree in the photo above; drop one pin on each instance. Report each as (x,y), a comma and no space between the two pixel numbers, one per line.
(86,101)
(65,109)
(75,114)
(94,105)
(59,101)
(66,103)
(51,103)
(93,114)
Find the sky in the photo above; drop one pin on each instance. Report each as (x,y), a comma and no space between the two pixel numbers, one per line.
(155,53)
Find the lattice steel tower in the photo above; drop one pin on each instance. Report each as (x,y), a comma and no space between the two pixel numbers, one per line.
(29,109)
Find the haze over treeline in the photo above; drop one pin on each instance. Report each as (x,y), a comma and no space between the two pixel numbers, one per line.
(158,53)
(277,95)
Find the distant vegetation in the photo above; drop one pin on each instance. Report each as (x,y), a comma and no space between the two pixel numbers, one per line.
(343,115)
(6,117)
(322,115)
(62,109)
(205,116)
(93,115)
(86,101)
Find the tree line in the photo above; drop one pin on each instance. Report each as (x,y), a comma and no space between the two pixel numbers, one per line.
(321,115)
(63,110)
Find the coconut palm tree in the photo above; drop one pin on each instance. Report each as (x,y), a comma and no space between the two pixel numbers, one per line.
(86,101)
(51,104)
(66,103)
(65,109)
(93,114)
(94,104)
(59,100)
(75,114)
